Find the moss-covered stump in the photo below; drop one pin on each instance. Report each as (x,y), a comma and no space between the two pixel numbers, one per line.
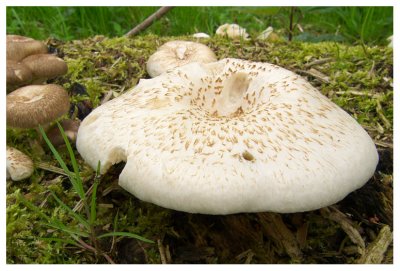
(359,79)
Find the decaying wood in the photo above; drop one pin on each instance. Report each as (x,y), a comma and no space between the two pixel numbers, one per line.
(345,223)
(376,250)
(149,21)
(274,227)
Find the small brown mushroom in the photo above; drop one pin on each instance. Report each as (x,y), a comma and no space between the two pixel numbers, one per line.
(19,165)
(70,128)
(29,106)
(18,74)
(45,66)
(19,47)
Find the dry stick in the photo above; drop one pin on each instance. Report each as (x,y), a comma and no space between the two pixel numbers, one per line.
(323,78)
(345,223)
(379,111)
(146,23)
(162,252)
(318,62)
(375,252)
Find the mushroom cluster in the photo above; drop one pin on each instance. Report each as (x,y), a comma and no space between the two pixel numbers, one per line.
(29,63)
(30,103)
(228,137)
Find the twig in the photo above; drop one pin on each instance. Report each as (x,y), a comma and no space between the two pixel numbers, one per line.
(318,62)
(316,74)
(384,144)
(376,250)
(168,254)
(379,111)
(162,252)
(50,168)
(355,93)
(80,203)
(146,23)
(345,223)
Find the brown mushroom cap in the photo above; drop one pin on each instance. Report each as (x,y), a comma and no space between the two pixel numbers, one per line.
(45,66)
(19,47)
(70,128)
(18,74)
(29,106)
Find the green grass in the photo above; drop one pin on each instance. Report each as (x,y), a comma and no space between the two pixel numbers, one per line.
(371,25)
(81,231)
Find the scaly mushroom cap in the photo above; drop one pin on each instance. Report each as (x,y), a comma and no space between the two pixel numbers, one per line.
(19,47)
(29,106)
(45,66)
(178,53)
(233,31)
(228,137)
(19,165)
(17,74)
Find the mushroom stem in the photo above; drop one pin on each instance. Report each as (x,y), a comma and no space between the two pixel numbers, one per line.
(276,229)
(232,94)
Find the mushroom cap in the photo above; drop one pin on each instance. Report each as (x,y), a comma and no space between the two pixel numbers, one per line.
(201,35)
(233,31)
(70,128)
(178,53)
(45,66)
(29,106)
(19,47)
(228,137)
(19,165)
(17,74)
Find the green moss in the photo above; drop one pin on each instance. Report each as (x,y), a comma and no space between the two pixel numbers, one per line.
(102,65)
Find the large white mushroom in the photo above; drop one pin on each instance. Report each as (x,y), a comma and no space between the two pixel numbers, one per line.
(178,53)
(228,137)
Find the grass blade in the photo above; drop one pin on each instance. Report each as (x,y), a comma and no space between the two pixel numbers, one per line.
(93,203)
(54,151)
(69,210)
(93,212)
(60,240)
(126,234)
(73,161)
(52,222)
(33,207)
(57,224)
(77,186)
